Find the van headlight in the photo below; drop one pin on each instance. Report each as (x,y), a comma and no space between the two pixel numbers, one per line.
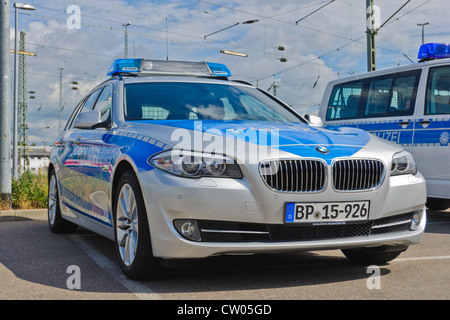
(403,163)
(193,164)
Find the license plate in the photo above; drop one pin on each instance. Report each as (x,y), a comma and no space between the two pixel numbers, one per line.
(324,213)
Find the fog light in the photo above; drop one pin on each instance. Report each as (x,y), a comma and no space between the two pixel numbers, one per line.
(188,229)
(415,222)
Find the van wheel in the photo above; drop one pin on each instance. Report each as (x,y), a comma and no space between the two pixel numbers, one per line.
(437,204)
(56,223)
(367,256)
(132,234)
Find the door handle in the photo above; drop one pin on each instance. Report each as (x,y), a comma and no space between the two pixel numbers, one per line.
(403,123)
(422,122)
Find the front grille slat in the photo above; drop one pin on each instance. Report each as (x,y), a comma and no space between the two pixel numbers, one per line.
(357,174)
(311,175)
(294,175)
(224,231)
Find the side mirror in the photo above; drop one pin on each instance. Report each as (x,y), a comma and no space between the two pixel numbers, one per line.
(88,119)
(315,121)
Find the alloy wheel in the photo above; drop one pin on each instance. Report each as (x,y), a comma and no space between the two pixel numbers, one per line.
(127,224)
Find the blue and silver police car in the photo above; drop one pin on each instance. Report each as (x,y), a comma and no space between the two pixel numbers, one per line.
(174,160)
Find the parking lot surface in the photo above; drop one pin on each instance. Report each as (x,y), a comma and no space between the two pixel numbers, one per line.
(37,264)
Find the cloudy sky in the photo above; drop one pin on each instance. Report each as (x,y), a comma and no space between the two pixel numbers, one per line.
(318,47)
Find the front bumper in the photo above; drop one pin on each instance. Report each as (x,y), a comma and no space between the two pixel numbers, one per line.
(233,203)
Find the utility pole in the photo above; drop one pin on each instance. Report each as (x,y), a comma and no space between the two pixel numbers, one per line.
(275,89)
(17,6)
(23,108)
(373,24)
(126,38)
(371,32)
(5,107)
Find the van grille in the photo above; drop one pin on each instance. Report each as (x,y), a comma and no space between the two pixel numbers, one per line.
(294,175)
(357,174)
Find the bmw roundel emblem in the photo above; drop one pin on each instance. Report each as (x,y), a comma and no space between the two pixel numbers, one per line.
(322,149)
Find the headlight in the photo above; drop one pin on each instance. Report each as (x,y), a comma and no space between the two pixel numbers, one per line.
(195,164)
(403,163)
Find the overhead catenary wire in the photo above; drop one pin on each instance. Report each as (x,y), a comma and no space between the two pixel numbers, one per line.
(198,44)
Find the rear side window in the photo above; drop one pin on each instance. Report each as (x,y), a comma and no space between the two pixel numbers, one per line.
(344,101)
(383,96)
(438,91)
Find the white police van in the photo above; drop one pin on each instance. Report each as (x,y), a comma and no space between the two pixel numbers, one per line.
(407,105)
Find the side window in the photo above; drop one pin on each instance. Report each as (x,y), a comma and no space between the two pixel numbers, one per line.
(383,96)
(392,96)
(104,103)
(403,96)
(344,101)
(88,103)
(438,91)
(378,98)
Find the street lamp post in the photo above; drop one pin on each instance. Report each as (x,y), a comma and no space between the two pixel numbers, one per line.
(423,30)
(23,6)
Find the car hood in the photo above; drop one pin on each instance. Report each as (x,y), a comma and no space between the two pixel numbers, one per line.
(287,138)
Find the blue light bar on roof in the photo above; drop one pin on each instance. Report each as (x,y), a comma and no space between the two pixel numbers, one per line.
(219,69)
(164,67)
(125,65)
(431,51)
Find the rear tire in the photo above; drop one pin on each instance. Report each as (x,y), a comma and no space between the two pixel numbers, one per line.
(55,221)
(131,231)
(366,256)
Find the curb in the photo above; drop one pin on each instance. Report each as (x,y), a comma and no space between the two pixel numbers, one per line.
(23,215)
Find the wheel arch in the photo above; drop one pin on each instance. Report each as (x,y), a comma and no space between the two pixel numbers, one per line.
(123,166)
(50,168)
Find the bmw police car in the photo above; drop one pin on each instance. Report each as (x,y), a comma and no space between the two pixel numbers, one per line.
(174,160)
(407,105)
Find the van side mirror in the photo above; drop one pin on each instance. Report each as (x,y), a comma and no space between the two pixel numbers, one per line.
(88,119)
(313,120)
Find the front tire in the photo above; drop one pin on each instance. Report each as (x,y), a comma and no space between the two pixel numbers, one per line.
(437,204)
(132,234)
(55,221)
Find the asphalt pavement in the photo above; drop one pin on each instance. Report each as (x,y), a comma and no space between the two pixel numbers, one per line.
(36,264)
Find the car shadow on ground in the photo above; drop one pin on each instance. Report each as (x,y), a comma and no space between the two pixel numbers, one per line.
(262,271)
(36,255)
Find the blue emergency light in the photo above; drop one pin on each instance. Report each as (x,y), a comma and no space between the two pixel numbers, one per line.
(164,67)
(431,51)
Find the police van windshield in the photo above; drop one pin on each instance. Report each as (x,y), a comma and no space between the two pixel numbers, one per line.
(204,101)
(382,96)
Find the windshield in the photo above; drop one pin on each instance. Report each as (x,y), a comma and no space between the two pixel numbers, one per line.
(209,101)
